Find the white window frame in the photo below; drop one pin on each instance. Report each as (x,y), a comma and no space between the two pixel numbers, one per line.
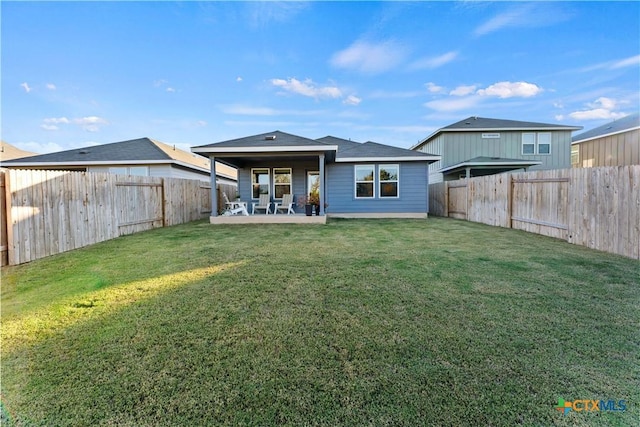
(396,181)
(129,170)
(532,143)
(268,173)
(290,183)
(372,182)
(536,143)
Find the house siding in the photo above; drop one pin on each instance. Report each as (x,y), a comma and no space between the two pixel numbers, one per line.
(622,149)
(299,171)
(161,171)
(413,190)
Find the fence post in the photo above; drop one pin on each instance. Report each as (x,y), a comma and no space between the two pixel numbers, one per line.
(510,201)
(446,199)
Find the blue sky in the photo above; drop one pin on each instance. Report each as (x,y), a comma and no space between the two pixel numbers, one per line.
(190,73)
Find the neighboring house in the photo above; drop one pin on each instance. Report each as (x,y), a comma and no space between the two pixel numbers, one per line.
(10,152)
(613,144)
(143,157)
(479,146)
(351,178)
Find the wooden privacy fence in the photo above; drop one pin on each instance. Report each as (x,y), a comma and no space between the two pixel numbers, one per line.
(594,207)
(48,212)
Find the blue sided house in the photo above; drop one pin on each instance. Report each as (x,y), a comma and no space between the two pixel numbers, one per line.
(349,178)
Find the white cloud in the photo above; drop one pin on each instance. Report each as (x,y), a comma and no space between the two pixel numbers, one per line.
(455,104)
(434,88)
(89,123)
(170,89)
(370,58)
(245,110)
(51,86)
(307,88)
(201,123)
(434,62)
(56,120)
(628,62)
(238,79)
(26,87)
(41,147)
(601,108)
(529,15)
(511,89)
(352,100)
(463,90)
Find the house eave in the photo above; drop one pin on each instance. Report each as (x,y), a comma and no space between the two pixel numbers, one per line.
(430,159)
(42,165)
(605,135)
(255,150)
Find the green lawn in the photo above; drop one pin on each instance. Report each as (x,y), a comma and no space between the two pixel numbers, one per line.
(359,322)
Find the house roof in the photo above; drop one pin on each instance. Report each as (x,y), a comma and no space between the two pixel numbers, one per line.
(10,152)
(255,147)
(625,124)
(135,151)
(270,141)
(484,162)
(483,124)
(373,151)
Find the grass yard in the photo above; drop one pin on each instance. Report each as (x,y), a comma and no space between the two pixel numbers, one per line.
(359,322)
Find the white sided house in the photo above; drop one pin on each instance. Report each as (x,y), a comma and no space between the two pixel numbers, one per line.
(139,157)
(478,146)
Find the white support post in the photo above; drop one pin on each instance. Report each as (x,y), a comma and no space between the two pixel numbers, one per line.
(321,195)
(214,188)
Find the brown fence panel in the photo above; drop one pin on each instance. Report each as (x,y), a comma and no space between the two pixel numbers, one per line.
(437,199)
(139,202)
(231,192)
(605,209)
(457,202)
(4,246)
(594,207)
(539,202)
(489,200)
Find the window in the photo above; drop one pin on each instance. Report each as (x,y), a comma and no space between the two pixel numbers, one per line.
(281,182)
(364,181)
(388,180)
(259,182)
(528,143)
(544,143)
(575,156)
(133,170)
(539,143)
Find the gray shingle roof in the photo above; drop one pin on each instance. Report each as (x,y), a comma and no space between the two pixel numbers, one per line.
(269,140)
(483,123)
(343,144)
(626,123)
(374,150)
(139,150)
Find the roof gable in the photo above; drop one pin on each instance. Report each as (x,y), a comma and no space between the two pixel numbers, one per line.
(275,139)
(10,152)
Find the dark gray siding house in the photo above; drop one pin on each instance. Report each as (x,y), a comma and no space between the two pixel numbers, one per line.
(351,178)
(479,146)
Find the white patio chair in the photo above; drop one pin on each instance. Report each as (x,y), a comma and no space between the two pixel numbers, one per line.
(286,204)
(263,203)
(234,208)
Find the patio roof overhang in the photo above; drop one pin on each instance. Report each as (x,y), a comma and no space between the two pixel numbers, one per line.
(240,156)
(488,164)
